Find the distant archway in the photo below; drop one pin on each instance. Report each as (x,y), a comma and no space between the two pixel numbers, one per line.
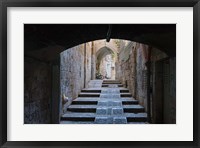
(100,55)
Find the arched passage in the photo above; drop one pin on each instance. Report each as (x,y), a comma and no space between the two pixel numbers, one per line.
(44,43)
(102,67)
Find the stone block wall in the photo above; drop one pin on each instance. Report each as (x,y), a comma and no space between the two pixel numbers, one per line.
(127,73)
(75,72)
(132,72)
(141,74)
(37,91)
(75,69)
(72,72)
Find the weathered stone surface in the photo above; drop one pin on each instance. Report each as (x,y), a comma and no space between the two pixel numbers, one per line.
(37,92)
(102,103)
(117,111)
(110,96)
(101,120)
(114,103)
(119,120)
(101,111)
(75,65)
(109,110)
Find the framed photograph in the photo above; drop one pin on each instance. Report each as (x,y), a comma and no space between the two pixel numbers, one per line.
(99,73)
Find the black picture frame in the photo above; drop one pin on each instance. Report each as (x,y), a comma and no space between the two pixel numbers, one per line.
(4,4)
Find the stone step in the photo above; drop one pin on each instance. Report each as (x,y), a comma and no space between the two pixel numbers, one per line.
(85,102)
(106,85)
(98,94)
(130,102)
(96,99)
(100,89)
(110,120)
(133,108)
(89,95)
(92,118)
(111,83)
(126,95)
(70,116)
(139,117)
(92,108)
(137,122)
(91,90)
(124,91)
(78,122)
(82,108)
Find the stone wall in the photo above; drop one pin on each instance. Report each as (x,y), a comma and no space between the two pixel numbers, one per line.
(40,94)
(164,87)
(75,71)
(37,91)
(131,70)
(125,70)
(141,74)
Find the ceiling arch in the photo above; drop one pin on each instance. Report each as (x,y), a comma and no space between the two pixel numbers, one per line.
(40,39)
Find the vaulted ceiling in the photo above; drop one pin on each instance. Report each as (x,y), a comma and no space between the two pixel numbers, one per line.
(46,41)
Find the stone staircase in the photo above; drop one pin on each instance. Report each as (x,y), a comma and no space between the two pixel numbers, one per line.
(110,103)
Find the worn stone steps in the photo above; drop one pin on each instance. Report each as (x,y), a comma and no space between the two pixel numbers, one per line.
(78,116)
(107,85)
(91,117)
(126,95)
(82,102)
(111,83)
(100,88)
(99,91)
(79,122)
(124,91)
(91,91)
(82,108)
(129,102)
(98,99)
(109,104)
(94,102)
(137,117)
(89,95)
(92,108)
(98,94)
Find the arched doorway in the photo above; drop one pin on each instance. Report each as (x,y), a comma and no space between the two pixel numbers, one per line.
(105,63)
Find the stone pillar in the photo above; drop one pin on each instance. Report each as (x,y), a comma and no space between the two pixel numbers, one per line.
(85,65)
(93,64)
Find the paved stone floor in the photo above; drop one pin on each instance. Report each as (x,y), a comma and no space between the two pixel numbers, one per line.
(105,102)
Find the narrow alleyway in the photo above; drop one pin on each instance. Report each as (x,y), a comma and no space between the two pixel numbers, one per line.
(104,102)
(79,74)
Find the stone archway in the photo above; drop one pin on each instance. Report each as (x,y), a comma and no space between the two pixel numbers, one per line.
(101,55)
(44,43)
